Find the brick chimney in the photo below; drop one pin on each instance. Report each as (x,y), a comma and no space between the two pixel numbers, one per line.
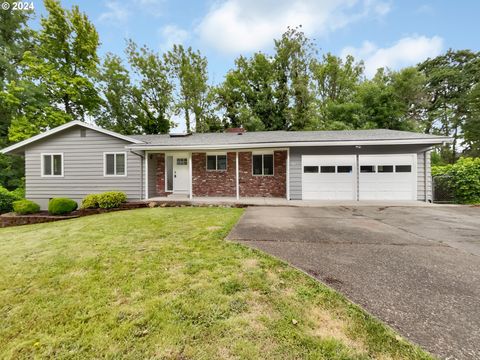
(237,130)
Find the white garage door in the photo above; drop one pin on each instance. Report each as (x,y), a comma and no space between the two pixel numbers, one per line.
(329,177)
(387,177)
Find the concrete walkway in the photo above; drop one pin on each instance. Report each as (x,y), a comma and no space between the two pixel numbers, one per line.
(415,268)
(264,201)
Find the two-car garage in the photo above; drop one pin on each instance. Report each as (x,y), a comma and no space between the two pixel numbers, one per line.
(359,177)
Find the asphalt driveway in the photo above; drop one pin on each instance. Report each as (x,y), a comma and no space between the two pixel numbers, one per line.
(415,268)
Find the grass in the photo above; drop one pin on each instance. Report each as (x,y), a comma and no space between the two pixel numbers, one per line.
(163,284)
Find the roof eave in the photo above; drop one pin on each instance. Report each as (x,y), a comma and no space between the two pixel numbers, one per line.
(424,141)
(16,148)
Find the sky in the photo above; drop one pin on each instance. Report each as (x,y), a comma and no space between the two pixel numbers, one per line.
(383,33)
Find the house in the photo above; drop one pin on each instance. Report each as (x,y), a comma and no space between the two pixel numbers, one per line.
(76,159)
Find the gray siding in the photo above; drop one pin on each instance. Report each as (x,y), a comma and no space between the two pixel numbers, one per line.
(297,152)
(83,167)
(424,176)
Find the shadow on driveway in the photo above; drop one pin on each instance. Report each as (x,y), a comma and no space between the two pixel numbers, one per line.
(415,268)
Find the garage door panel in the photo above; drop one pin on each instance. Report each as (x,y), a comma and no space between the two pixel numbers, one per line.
(395,185)
(336,185)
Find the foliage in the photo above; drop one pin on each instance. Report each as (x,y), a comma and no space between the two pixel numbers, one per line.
(165,280)
(58,74)
(90,201)
(193,98)
(25,206)
(19,192)
(464,178)
(7,198)
(111,199)
(61,206)
(450,79)
(153,92)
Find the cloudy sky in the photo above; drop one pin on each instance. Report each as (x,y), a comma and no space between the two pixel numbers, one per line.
(381,32)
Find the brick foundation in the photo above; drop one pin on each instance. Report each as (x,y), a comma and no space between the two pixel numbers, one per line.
(213,183)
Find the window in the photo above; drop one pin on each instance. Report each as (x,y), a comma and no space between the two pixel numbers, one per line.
(262,164)
(385,168)
(182,161)
(310,169)
(216,162)
(367,168)
(327,169)
(403,168)
(52,164)
(344,169)
(115,164)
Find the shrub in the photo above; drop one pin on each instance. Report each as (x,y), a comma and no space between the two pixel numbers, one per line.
(90,201)
(25,206)
(464,178)
(61,206)
(19,193)
(111,199)
(6,200)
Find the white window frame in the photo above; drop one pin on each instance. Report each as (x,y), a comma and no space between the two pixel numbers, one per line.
(114,163)
(42,155)
(263,168)
(216,161)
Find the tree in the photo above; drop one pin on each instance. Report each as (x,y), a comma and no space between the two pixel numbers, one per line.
(336,83)
(449,80)
(189,70)
(292,60)
(472,124)
(119,112)
(153,91)
(57,82)
(15,39)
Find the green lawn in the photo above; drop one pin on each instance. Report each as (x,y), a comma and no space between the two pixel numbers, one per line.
(162,283)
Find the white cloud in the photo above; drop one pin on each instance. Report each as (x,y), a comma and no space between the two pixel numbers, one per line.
(171,35)
(245,25)
(405,52)
(116,12)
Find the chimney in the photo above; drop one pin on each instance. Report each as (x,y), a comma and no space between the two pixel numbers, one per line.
(237,130)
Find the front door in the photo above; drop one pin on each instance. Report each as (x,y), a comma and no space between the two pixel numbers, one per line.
(181,174)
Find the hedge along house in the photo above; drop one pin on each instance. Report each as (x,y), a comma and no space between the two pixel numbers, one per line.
(77,159)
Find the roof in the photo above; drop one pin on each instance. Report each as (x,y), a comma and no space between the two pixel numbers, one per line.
(258,139)
(21,144)
(286,138)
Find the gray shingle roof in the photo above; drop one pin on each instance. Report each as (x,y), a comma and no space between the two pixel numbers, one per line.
(282,137)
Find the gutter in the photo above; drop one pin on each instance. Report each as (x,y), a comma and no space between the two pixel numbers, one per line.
(263,145)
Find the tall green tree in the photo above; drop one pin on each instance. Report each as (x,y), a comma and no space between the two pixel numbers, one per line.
(15,38)
(293,56)
(194,98)
(153,90)
(119,111)
(450,79)
(58,75)
(336,82)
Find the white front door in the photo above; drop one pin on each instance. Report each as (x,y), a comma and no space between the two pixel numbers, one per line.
(181,177)
(387,177)
(328,177)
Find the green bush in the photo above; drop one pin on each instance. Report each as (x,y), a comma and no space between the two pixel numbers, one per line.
(25,206)
(61,206)
(6,200)
(464,178)
(111,199)
(90,201)
(19,192)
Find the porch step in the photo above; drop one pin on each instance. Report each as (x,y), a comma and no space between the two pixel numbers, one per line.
(178,196)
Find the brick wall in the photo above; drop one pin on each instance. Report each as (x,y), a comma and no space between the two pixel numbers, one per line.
(161,175)
(263,186)
(213,183)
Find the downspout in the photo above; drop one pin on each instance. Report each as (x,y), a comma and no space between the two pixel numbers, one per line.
(141,171)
